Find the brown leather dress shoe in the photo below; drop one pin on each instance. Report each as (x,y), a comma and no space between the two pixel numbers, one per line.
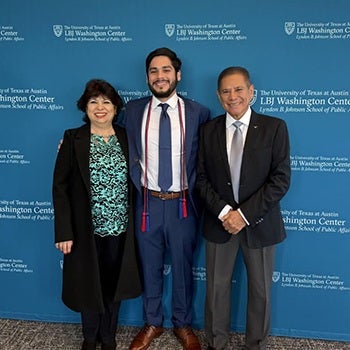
(187,338)
(144,338)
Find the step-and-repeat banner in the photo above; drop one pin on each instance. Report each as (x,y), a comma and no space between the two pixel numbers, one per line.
(298,55)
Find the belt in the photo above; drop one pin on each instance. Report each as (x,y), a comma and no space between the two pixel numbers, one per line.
(166,195)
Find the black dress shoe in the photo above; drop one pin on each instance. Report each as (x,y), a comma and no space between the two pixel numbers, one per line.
(111,346)
(88,345)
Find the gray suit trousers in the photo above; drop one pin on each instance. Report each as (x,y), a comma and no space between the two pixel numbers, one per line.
(220,263)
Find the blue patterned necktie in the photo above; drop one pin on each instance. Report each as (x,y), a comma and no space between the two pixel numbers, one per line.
(236,158)
(165,174)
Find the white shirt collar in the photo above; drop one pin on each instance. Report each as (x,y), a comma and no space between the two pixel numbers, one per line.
(245,119)
(172,102)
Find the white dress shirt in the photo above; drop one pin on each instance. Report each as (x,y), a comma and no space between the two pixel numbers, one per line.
(153,142)
(230,129)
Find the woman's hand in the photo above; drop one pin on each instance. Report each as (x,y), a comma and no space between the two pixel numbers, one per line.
(65,247)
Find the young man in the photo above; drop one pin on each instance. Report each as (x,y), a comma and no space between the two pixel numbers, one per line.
(163,170)
(243,172)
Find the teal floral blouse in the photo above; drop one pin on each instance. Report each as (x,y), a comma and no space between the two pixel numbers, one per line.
(109,186)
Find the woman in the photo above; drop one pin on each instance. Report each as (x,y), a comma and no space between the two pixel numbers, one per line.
(92,199)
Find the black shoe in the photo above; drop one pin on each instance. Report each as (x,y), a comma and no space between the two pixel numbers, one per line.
(111,346)
(88,345)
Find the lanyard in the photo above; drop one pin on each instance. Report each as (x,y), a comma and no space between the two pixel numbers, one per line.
(182,200)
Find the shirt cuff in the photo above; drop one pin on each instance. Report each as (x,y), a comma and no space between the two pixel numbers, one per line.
(243,217)
(227,208)
(224,211)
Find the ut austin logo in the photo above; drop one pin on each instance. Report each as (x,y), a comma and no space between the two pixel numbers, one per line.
(167,269)
(253,100)
(169,29)
(276,276)
(57,29)
(289,27)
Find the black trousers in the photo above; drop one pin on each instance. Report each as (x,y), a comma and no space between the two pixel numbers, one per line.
(103,326)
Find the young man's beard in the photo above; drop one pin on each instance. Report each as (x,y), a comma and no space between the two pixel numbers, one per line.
(166,93)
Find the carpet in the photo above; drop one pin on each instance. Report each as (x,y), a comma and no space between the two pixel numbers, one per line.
(30,335)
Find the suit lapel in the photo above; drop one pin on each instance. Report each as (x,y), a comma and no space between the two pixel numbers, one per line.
(138,117)
(254,129)
(189,129)
(82,151)
(122,141)
(134,132)
(221,141)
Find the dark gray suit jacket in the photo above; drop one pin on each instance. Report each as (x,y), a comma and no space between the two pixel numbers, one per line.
(264,180)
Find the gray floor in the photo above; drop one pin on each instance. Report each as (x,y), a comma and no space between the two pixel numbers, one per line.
(25,335)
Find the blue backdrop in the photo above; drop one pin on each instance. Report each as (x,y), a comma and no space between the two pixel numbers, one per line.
(297,53)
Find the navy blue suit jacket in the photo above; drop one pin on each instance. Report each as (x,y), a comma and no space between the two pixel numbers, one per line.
(195,115)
